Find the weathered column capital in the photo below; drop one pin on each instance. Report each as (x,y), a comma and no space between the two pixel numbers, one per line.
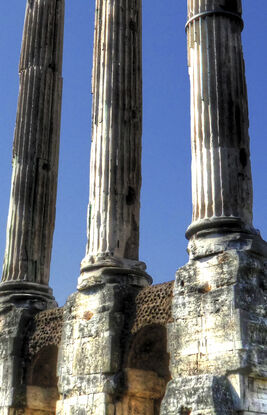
(115,166)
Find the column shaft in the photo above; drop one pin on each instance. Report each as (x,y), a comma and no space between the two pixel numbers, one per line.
(36,145)
(221,172)
(115,167)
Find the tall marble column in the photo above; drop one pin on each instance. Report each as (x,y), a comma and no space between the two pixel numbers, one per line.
(32,207)
(217,349)
(98,316)
(221,173)
(115,167)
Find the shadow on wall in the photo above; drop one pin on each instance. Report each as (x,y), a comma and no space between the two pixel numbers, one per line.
(147,372)
(41,381)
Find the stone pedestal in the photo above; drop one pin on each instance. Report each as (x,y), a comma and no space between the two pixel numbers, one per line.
(218,336)
(97,323)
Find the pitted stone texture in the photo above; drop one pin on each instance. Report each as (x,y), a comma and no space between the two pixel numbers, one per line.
(219,327)
(45,330)
(219,310)
(154,306)
(91,348)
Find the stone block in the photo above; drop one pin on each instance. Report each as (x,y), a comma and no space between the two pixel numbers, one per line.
(96,355)
(135,406)
(93,404)
(41,399)
(198,395)
(249,394)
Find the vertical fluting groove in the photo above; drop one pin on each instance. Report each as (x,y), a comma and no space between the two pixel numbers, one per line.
(221,173)
(31,215)
(115,177)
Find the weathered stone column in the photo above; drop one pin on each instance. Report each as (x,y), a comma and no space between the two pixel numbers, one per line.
(216,341)
(221,173)
(98,317)
(24,289)
(32,207)
(115,167)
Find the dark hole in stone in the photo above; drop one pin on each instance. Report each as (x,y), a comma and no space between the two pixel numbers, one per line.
(243,157)
(118,244)
(45,166)
(238,123)
(130,198)
(149,351)
(230,6)
(185,411)
(52,66)
(132,25)
(261,284)
(182,283)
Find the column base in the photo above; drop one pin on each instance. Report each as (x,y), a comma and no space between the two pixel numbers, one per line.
(108,272)
(26,294)
(222,224)
(217,240)
(97,323)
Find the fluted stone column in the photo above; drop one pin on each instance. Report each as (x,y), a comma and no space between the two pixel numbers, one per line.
(98,316)
(24,289)
(221,173)
(216,343)
(115,167)
(31,215)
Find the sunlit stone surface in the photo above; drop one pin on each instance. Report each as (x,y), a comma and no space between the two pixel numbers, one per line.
(115,167)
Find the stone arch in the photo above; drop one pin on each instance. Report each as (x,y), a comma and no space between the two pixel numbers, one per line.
(148,351)
(146,372)
(41,381)
(41,355)
(42,370)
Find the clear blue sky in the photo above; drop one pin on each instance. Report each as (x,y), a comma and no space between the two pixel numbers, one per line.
(166,191)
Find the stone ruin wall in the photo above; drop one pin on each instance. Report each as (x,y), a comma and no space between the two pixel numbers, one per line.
(145,362)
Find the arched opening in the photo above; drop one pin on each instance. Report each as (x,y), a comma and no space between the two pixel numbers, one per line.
(41,381)
(146,373)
